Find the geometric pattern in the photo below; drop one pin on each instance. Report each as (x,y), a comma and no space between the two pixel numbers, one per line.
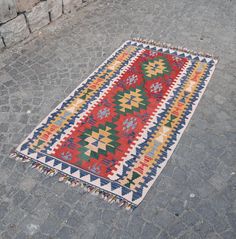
(98,140)
(116,131)
(131,100)
(155,67)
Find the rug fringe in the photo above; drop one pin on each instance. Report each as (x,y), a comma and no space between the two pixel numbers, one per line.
(73,182)
(107,196)
(178,48)
(34,164)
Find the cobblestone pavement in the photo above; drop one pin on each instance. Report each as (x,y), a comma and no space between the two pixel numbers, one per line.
(195,195)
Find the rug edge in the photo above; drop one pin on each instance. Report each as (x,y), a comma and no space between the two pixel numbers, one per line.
(173,47)
(73,182)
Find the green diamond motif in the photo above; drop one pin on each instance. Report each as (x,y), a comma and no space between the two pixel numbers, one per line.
(131,100)
(153,68)
(98,141)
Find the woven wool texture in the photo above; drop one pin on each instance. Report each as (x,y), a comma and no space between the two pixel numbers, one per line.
(114,134)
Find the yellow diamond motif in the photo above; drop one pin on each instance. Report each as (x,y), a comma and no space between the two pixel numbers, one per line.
(156,67)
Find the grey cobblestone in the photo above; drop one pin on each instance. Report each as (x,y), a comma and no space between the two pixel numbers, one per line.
(175,206)
(30,203)
(195,195)
(163,219)
(103,231)
(203,229)
(231,217)
(3,209)
(150,231)
(228,235)
(191,235)
(136,225)
(176,229)
(163,235)
(74,219)
(51,225)
(66,232)
(190,218)
(19,197)
(61,210)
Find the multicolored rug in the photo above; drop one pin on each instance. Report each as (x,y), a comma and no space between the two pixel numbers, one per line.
(114,134)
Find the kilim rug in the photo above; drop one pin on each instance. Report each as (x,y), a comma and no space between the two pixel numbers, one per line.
(114,134)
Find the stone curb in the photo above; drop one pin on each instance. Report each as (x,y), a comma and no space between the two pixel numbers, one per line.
(40,15)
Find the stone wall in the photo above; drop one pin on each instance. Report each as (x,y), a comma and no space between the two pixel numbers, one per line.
(20,18)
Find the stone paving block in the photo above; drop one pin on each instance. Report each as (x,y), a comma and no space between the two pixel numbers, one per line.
(175,207)
(39,235)
(7,10)
(61,210)
(232,220)
(19,197)
(136,226)
(25,5)
(71,5)
(14,31)
(3,209)
(150,231)
(190,235)
(228,235)
(75,219)
(108,216)
(55,8)
(66,232)
(176,229)
(21,235)
(30,203)
(163,219)
(190,218)
(163,235)
(5,235)
(50,225)
(30,225)
(38,17)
